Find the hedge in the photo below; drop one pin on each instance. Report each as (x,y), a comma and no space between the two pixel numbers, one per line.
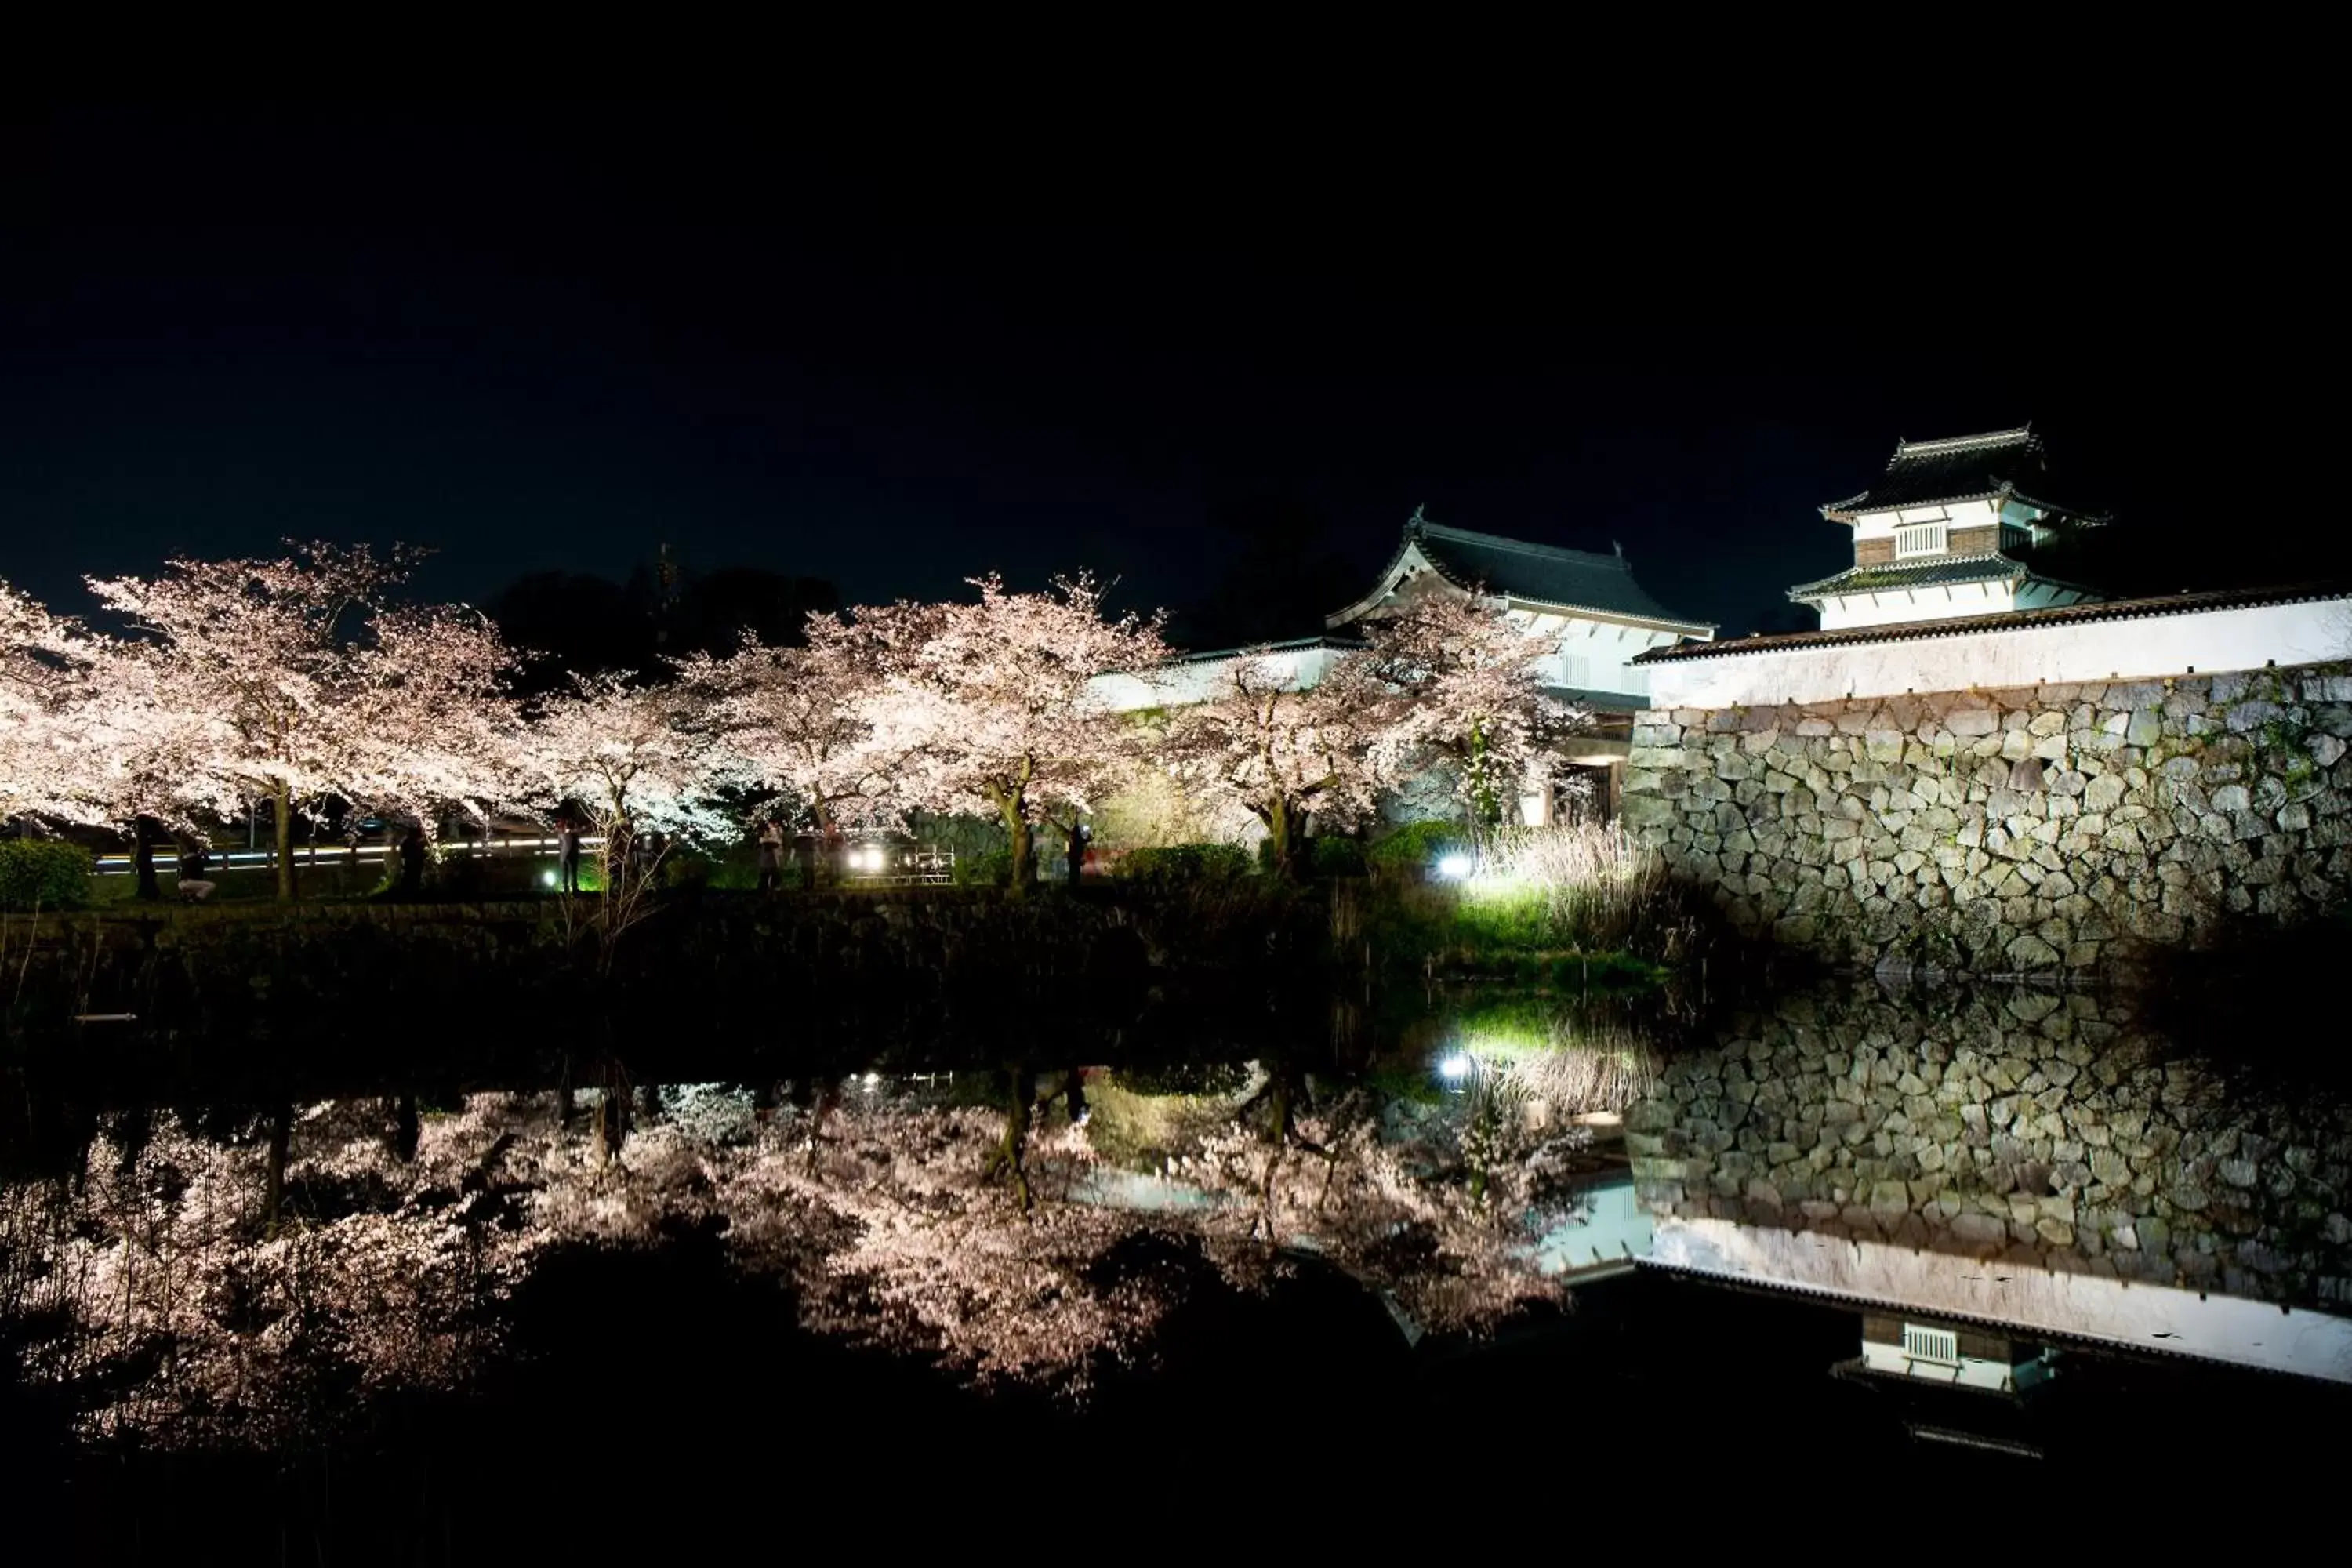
(43,873)
(1337,858)
(1176,864)
(1416,846)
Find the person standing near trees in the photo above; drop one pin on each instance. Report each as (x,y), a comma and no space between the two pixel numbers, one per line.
(567,851)
(772,855)
(412,861)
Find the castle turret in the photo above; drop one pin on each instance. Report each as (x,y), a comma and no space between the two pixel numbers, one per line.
(1953,528)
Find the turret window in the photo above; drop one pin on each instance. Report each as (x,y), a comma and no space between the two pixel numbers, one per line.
(1919,539)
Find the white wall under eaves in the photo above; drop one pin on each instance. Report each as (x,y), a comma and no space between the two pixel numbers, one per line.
(2144,647)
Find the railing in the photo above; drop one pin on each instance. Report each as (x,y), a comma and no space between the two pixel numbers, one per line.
(1940,1346)
(167,860)
(921,864)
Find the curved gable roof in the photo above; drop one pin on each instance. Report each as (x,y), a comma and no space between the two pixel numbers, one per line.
(1955,468)
(1535,573)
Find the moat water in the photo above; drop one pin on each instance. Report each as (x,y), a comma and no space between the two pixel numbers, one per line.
(333,1304)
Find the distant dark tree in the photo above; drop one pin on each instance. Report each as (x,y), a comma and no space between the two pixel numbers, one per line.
(572,623)
(1284,575)
(568,621)
(716,608)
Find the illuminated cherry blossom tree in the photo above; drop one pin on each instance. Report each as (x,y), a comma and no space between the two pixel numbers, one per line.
(801,721)
(44,669)
(635,759)
(293,680)
(431,686)
(1471,701)
(1282,751)
(991,702)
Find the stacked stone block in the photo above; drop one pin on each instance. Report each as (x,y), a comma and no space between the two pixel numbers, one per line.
(2041,830)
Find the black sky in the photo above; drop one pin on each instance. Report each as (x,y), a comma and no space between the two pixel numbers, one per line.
(554,340)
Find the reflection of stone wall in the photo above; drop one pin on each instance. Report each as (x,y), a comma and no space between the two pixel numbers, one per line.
(2028,1126)
(2010,830)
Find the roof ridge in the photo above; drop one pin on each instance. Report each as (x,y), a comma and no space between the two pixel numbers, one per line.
(2022,434)
(1526,546)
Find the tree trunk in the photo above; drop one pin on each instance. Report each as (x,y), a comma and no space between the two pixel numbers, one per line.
(282,809)
(1024,875)
(1076,838)
(1278,834)
(820,863)
(281,1131)
(1008,1158)
(142,858)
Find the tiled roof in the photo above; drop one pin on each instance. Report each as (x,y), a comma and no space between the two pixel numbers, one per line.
(2010,620)
(1958,469)
(1943,569)
(1539,574)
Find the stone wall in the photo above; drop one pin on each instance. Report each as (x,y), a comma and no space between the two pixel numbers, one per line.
(2045,829)
(2046,1129)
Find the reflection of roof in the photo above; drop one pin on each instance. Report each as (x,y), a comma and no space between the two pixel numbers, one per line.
(2007,620)
(1961,468)
(1945,569)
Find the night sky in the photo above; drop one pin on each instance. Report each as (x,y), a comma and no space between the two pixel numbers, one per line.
(556,340)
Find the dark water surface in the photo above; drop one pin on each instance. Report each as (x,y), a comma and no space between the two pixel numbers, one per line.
(1400,1256)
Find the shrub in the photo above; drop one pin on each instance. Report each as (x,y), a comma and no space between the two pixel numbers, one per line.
(988,869)
(1186,1079)
(1336,858)
(43,873)
(1185,865)
(1413,849)
(969,836)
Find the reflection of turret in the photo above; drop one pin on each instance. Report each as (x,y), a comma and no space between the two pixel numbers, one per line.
(1958,1355)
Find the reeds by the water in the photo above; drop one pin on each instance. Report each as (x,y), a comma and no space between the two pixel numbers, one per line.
(1585,887)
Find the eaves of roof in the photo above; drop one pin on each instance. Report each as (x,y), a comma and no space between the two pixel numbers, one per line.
(1989,567)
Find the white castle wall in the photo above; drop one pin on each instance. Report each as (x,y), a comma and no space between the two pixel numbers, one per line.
(2144,647)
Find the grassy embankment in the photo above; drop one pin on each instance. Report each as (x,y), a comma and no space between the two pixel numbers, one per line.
(1576,907)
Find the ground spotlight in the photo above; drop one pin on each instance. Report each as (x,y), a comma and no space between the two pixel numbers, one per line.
(1454,868)
(1455,1067)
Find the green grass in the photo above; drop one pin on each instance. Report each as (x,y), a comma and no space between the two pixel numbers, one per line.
(1571,907)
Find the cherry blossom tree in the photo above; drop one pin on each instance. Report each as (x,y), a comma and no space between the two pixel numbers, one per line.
(993,706)
(635,759)
(801,721)
(45,667)
(1471,701)
(1281,750)
(430,684)
(292,679)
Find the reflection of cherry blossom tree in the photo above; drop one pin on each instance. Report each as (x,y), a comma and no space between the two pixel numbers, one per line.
(159,1287)
(1281,752)
(991,703)
(1472,698)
